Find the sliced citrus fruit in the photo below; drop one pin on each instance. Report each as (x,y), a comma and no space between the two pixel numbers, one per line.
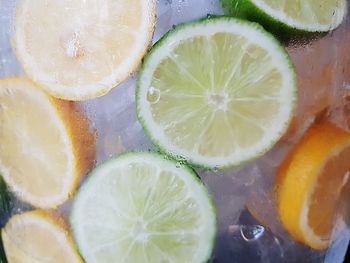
(45,145)
(310,183)
(289,17)
(217,92)
(140,207)
(77,49)
(38,237)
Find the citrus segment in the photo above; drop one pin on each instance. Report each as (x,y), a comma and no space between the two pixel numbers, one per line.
(38,237)
(216,93)
(310,183)
(308,14)
(45,144)
(291,15)
(78,50)
(139,207)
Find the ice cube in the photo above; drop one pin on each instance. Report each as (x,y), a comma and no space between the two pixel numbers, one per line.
(230,190)
(174,12)
(115,119)
(323,71)
(262,202)
(337,252)
(9,65)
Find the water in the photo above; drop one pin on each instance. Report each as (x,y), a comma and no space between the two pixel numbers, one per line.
(324,79)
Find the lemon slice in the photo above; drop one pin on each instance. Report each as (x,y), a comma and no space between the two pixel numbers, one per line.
(45,144)
(38,237)
(77,49)
(312,184)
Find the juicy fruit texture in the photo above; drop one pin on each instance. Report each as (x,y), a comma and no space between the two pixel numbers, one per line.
(311,182)
(139,207)
(217,92)
(38,237)
(45,144)
(77,49)
(306,15)
(309,15)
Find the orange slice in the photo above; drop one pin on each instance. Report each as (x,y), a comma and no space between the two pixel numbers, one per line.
(46,146)
(38,237)
(311,182)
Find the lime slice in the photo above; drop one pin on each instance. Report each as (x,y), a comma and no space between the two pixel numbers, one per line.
(291,15)
(217,92)
(140,207)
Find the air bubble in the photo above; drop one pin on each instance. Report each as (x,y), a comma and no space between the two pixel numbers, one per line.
(216,169)
(252,233)
(153,95)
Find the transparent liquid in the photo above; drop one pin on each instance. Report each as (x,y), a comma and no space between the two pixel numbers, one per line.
(323,68)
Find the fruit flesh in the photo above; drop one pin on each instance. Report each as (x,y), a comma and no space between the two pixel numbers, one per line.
(308,11)
(27,150)
(235,90)
(326,198)
(220,100)
(47,146)
(92,45)
(37,237)
(310,182)
(151,211)
(83,44)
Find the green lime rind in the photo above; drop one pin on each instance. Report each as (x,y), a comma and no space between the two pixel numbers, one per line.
(191,173)
(8,203)
(5,203)
(6,206)
(3,258)
(246,9)
(163,41)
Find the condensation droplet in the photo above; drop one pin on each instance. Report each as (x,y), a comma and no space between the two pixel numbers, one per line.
(153,95)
